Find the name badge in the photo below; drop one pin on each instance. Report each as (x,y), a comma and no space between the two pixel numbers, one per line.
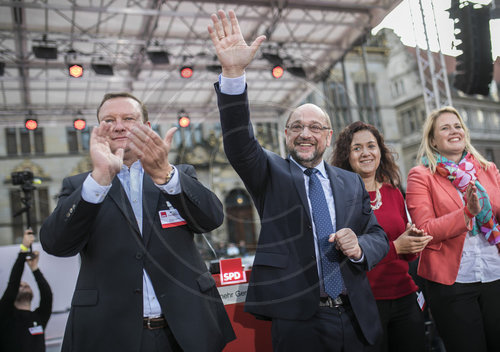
(171,217)
(36,330)
(421,300)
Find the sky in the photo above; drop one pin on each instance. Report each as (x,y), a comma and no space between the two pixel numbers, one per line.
(400,20)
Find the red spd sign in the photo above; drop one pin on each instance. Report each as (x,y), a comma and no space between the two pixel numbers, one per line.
(231,271)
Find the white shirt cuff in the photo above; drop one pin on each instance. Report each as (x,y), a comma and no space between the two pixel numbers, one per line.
(93,192)
(232,86)
(173,186)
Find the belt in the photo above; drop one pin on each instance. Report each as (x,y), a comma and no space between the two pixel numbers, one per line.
(341,300)
(154,323)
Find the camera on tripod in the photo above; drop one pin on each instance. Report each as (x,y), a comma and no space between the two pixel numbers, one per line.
(22,177)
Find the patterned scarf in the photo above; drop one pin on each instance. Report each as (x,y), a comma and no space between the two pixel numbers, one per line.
(461,176)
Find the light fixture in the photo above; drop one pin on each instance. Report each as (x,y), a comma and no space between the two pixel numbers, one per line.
(79,124)
(45,49)
(158,55)
(75,70)
(186,71)
(184,120)
(277,71)
(102,67)
(297,71)
(31,124)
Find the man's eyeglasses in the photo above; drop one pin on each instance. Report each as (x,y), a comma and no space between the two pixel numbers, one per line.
(314,128)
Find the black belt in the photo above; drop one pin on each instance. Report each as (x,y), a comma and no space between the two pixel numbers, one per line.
(154,323)
(340,301)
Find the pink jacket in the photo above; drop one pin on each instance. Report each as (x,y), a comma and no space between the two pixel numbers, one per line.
(436,207)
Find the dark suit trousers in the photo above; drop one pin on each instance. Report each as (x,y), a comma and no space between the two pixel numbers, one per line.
(159,340)
(467,316)
(329,330)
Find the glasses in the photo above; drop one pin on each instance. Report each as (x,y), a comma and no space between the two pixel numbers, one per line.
(314,128)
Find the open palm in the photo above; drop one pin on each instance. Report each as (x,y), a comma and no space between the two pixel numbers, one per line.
(233,52)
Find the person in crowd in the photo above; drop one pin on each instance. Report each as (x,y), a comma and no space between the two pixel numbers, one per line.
(242,247)
(143,285)
(454,196)
(21,329)
(318,235)
(360,148)
(232,251)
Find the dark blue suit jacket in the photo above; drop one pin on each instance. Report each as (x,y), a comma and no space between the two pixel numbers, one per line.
(107,306)
(284,282)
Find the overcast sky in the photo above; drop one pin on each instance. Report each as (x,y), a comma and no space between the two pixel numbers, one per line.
(400,20)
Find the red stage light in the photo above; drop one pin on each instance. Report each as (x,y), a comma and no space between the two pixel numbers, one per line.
(79,124)
(75,70)
(184,121)
(277,71)
(31,124)
(186,72)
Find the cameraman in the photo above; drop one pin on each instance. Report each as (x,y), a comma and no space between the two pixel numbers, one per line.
(20,328)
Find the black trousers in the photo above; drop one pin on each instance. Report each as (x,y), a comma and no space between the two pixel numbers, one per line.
(329,330)
(159,340)
(403,324)
(467,316)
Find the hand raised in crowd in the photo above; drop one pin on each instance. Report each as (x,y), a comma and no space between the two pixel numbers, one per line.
(152,150)
(233,52)
(472,200)
(28,238)
(347,242)
(106,164)
(412,241)
(33,260)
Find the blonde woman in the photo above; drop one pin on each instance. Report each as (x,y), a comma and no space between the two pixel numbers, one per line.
(454,196)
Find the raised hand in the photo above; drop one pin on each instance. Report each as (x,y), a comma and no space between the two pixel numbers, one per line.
(411,241)
(233,52)
(152,150)
(106,164)
(472,200)
(28,238)
(33,260)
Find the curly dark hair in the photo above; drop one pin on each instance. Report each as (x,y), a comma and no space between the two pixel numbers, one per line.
(388,170)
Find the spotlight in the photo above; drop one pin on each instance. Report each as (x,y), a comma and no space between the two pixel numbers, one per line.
(184,120)
(297,71)
(158,56)
(75,70)
(45,49)
(102,68)
(277,71)
(79,124)
(31,124)
(274,59)
(214,68)
(186,72)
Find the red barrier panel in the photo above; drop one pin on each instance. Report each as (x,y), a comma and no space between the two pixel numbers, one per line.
(251,334)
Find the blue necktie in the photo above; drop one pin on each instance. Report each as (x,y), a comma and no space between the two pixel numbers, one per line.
(332,278)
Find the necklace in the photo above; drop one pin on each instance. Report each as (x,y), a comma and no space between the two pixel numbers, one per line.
(377,202)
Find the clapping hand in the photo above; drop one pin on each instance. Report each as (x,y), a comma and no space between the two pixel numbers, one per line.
(106,164)
(233,52)
(411,241)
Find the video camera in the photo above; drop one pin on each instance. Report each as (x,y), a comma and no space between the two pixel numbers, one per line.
(21,177)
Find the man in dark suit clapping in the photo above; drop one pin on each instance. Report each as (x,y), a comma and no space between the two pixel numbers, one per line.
(142,284)
(319,235)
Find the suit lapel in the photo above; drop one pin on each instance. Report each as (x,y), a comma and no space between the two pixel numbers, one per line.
(338,196)
(150,195)
(119,196)
(298,180)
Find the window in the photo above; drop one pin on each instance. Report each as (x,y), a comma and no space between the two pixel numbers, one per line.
(20,141)
(78,141)
(39,211)
(338,105)
(368,112)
